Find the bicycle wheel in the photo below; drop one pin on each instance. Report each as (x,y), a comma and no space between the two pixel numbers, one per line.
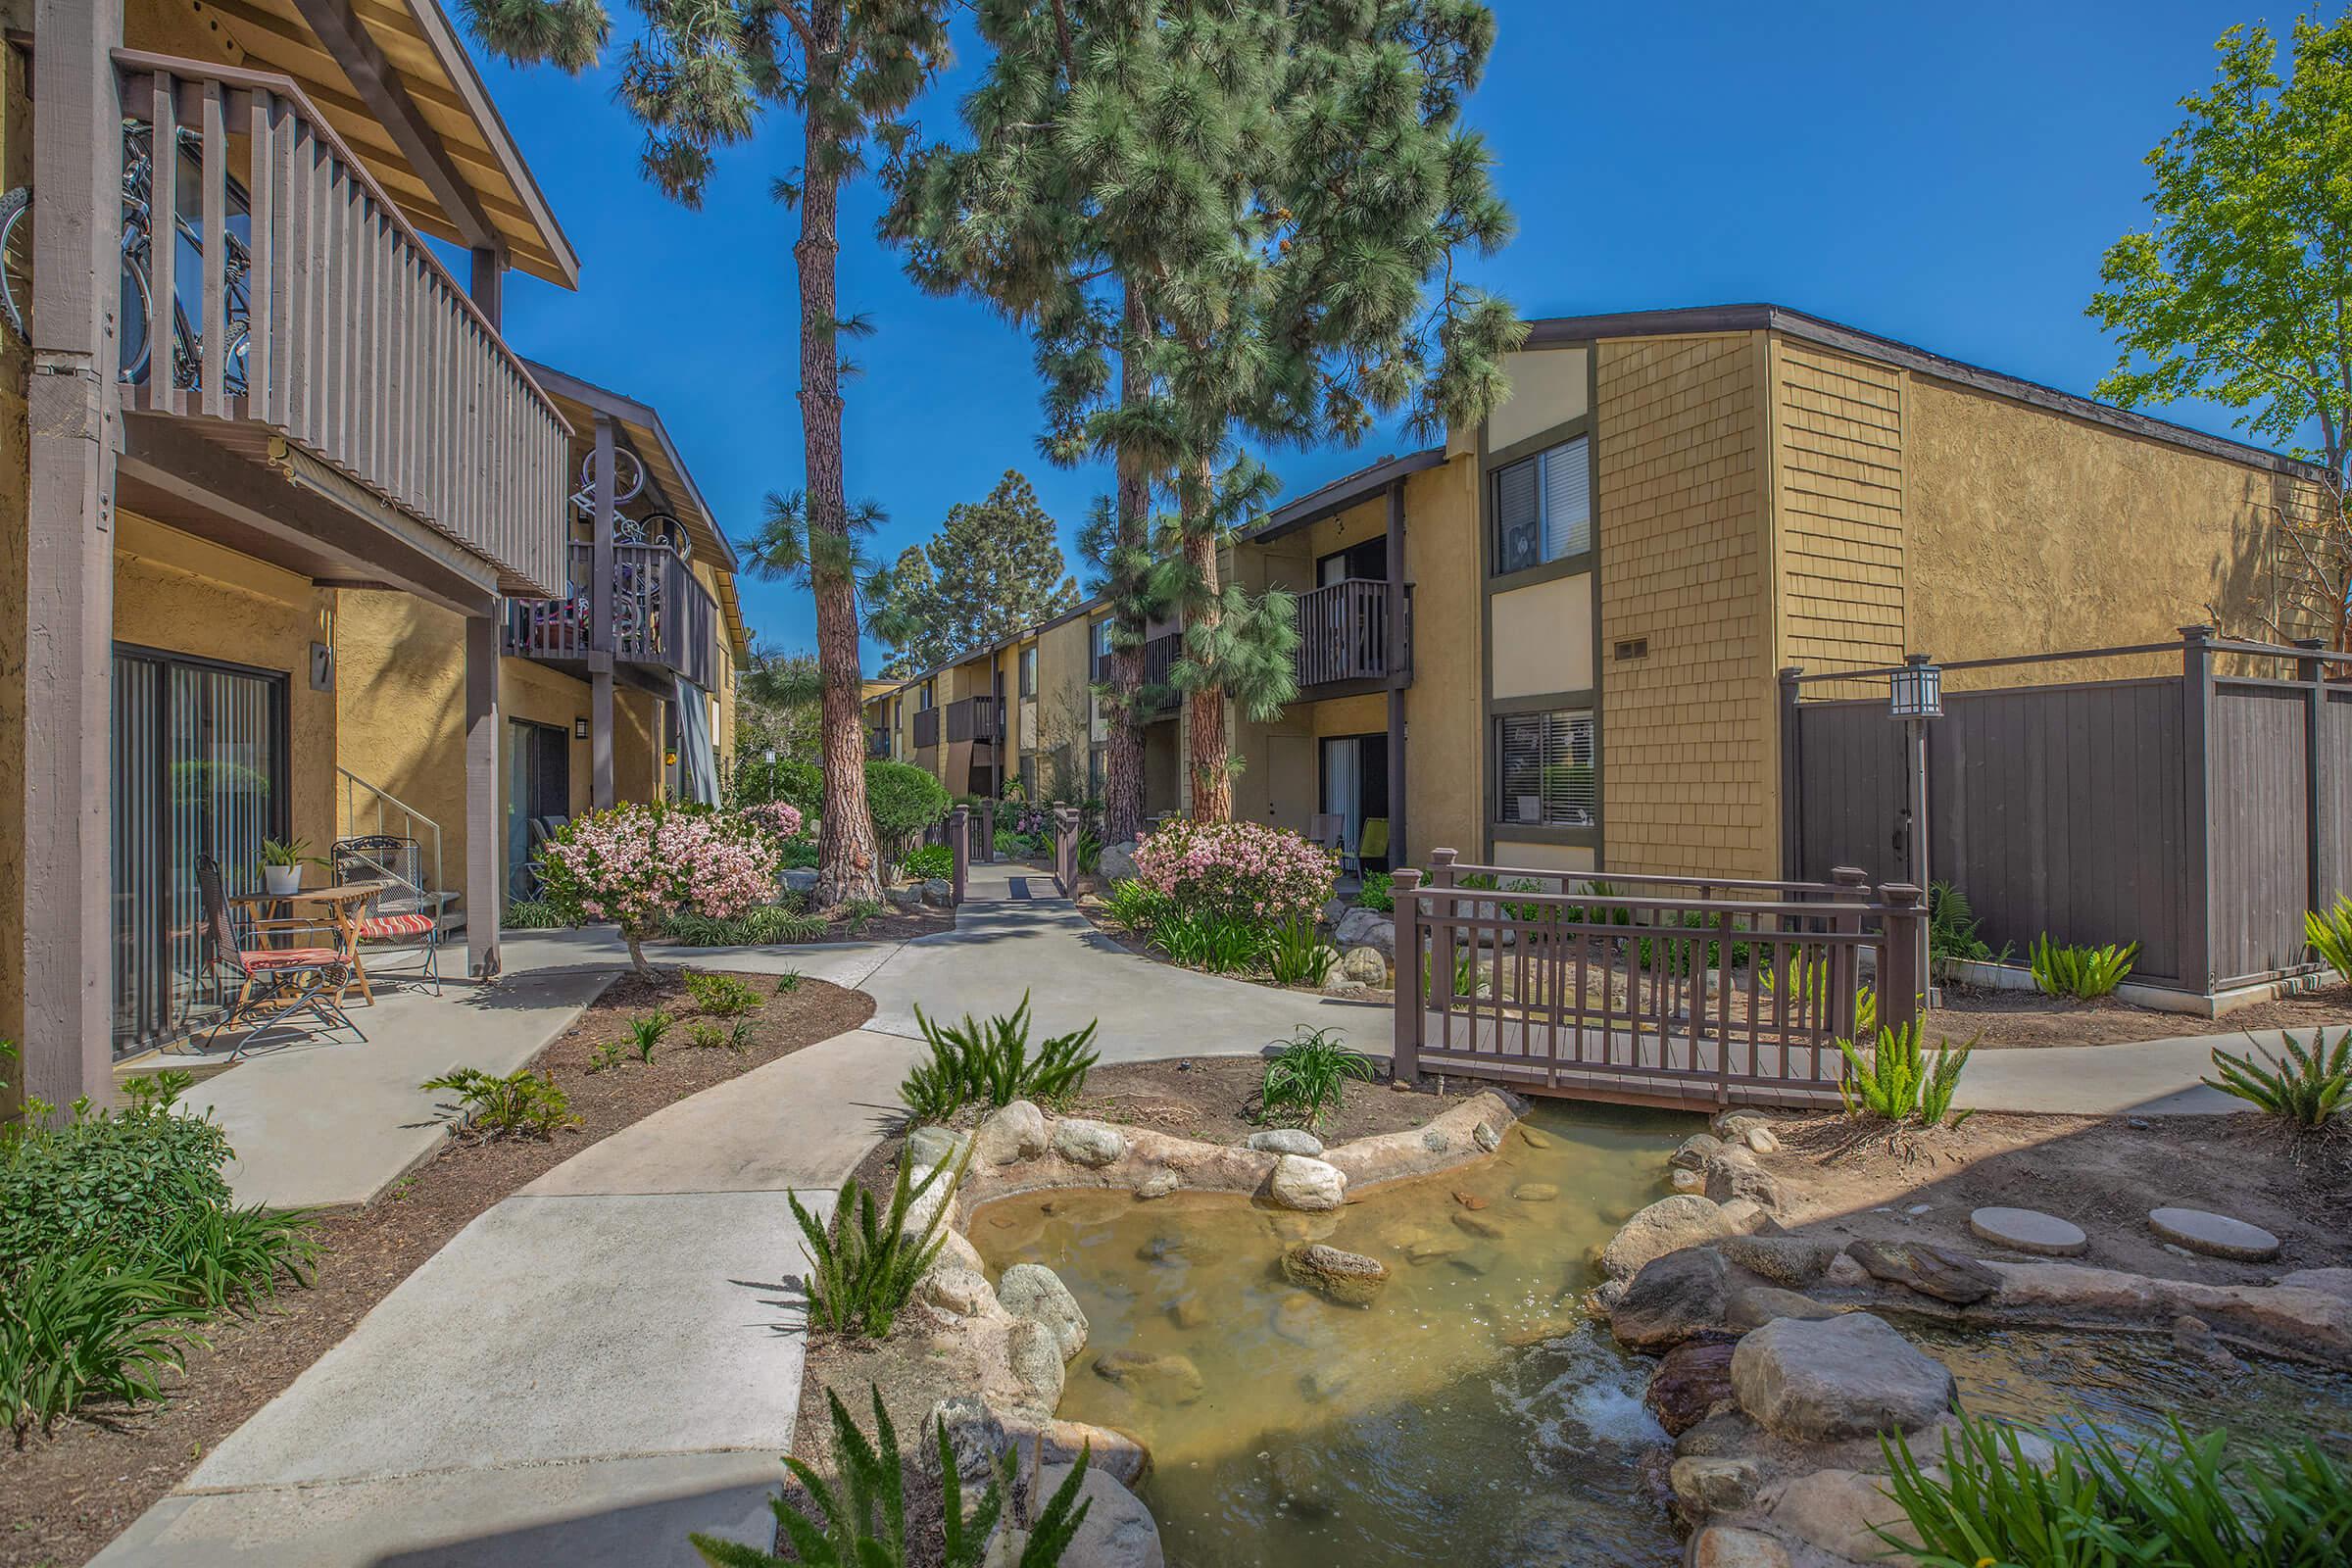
(138,310)
(16,260)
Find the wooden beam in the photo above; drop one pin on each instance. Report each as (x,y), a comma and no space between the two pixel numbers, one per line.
(485,823)
(378,84)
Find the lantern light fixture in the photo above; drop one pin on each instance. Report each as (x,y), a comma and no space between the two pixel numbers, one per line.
(579,730)
(1916,691)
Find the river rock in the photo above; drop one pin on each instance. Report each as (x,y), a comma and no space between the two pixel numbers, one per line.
(1059,1443)
(1117,863)
(1485,1136)
(2326,1281)
(1188,1312)
(1286,1141)
(1732,1173)
(2027,1230)
(1293,1486)
(1534,1139)
(1118,1531)
(1015,1133)
(2194,1338)
(976,1435)
(1850,1376)
(1366,965)
(1684,1220)
(1728,1547)
(1688,1382)
(2215,1235)
(959,1291)
(1432,1247)
(1088,1143)
(1162,1379)
(1687,1181)
(1479,1225)
(1037,1363)
(1348,1278)
(1035,1291)
(1759,1304)
(1366,928)
(1839,1512)
(1536,1192)
(1306,1184)
(1761,1141)
(1159,1184)
(1675,1298)
(1790,1260)
(939,893)
(801,879)
(1929,1270)
(905,896)
(1691,1154)
(1707,1487)
(1747,1217)
(927,1146)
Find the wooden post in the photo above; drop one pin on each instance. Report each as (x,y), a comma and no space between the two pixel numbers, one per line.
(485,823)
(61,631)
(1404,1054)
(489,284)
(2196,870)
(2321,845)
(1400,673)
(1792,778)
(1843,971)
(1900,944)
(600,626)
(987,832)
(959,849)
(1440,944)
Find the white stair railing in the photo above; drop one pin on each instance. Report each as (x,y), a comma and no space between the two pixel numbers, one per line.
(368,808)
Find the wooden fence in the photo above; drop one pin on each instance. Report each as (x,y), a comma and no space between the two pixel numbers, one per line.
(2197,812)
(1674,991)
(1066,824)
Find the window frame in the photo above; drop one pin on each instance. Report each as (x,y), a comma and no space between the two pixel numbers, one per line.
(1535,453)
(1028,671)
(1501,801)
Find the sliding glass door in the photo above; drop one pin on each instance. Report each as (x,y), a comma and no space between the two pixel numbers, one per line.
(199,769)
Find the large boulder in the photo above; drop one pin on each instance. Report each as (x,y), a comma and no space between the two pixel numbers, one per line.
(1348,1278)
(1118,861)
(1306,1184)
(1015,1133)
(1162,1379)
(1792,1260)
(1726,1546)
(1286,1141)
(1037,1364)
(1365,966)
(1088,1143)
(1839,1512)
(1035,1291)
(1118,1531)
(801,879)
(1366,928)
(1668,1225)
(1676,1297)
(1690,1381)
(1732,1173)
(1842,1377)
(1929,1270)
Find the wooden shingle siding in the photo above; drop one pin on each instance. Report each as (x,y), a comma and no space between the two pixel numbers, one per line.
(1840,508)
(1686,742)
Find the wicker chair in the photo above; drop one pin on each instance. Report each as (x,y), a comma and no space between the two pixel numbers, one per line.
(273,984)
(407,914)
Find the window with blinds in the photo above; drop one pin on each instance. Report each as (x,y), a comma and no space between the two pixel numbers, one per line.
(1544,507)
(1028,672)
(1550,769)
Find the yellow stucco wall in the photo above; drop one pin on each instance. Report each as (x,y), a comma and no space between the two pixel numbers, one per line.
(1542,637)
(1064,706)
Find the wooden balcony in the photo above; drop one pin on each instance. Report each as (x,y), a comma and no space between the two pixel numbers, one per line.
(975,720)
(1160,654)
(297,320)
(926,728)
(663,621)
(1343,637)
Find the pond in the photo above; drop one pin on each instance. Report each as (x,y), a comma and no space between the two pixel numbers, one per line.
(1468,1413)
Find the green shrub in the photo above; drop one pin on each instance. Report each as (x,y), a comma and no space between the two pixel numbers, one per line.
(646,1033)
(2329,932)
(1298,955)
(531,914)
(798,855)
(797,783)
(1901,1082)
(2188,1502)
(865,1264)
(1134,906)
(109,1181)
(220,1258)
(2083,973)
(769,925)
(990,1064)
(77,1326)
(521,1105)
(1207,939)
(1011,846)
(722,996)
(788,982)
(1090,852)
(927,860)
(867,1529)
(902,801)
(2303,1088)
(1308,1078)
(1953,930)
(1378,892)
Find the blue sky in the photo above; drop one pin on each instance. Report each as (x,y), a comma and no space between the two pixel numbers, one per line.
(1946,176)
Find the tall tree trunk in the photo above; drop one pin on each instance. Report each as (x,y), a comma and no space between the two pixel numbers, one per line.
(1123,769)
(849,866)
(1204,705)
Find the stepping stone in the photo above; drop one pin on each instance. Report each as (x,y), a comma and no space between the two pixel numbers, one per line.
(2029,1229)
(2215,1235)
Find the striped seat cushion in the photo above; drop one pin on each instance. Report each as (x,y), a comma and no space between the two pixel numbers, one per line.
(395,927)
(267,958)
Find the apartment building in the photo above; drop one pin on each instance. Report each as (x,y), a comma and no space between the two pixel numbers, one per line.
(271,488)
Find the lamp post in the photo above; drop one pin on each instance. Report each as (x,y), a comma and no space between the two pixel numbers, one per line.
(1915,695)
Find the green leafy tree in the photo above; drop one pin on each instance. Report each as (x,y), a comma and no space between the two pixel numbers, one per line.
(779,708)
(697,79)
(993,569)
(2240,290)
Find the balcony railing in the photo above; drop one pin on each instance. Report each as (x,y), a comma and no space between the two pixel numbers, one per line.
(662,617)
(1344,634)
(926,728)
(973,719)
(877,743)
(303,307)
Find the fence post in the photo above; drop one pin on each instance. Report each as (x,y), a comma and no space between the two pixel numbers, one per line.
(1404,1056)
(2196,874)
(1792,778)
(2323,827)
(1845,966)
(1066,849)
(1441,940)
(1899,979)
(987,832)
(960,847)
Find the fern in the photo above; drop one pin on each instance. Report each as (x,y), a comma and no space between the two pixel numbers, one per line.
(990,1064)
(1900,1082)
(2083,973)
(2305,1087)
(2329,932)
(865,1266)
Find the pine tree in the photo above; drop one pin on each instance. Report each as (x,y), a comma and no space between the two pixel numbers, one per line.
(697,80)
(991,571)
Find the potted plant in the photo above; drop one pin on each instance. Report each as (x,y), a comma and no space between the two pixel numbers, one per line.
(282,861)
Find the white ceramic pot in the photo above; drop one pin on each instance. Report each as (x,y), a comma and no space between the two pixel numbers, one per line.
(281,881)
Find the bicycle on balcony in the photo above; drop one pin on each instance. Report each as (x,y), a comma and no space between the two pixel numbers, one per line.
(139,249)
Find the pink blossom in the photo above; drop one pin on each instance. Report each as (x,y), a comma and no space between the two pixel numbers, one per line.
(1242,868)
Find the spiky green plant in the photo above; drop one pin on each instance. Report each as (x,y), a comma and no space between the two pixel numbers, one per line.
(77,1326)
(1900,1081)
(990,1063)
(1205,939)
(2304,1088)
(867,1527)
(866,1265)
(2082,972)
(647,1033)
(1306,1077)
(1953,930)
(1134,906)
(1298,955)
(2329,932)
(521,1105)
(1465,973)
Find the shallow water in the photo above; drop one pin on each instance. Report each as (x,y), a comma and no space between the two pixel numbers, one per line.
(1468,1414)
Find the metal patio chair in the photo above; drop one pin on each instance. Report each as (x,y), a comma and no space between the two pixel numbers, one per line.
(274,985)
(407,914)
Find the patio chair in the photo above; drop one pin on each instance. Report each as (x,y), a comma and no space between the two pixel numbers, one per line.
(273,984)
(1329,830)
(1374,844)
(405,915)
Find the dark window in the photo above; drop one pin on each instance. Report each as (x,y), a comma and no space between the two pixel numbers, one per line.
(1028,672)
(1544,508)
(1364,562)
(1548,772)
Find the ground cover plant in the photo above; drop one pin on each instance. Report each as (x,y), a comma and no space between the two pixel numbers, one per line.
(1900,1082)
(531,914)
(1378,892)
(1213,940)
(1298,955)
(2303,1088)
(1136,906)
(521,1105)
(925,861)
(990,1064)
(2083,973)
(722,996)
(1307,1077)
(769,925)
(866,1263)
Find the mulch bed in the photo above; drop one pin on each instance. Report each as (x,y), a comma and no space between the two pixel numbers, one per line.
(2024,1019)
(63,1498)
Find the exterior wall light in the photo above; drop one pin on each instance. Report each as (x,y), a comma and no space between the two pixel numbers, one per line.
(1916,691)
(579,730)
(669,758)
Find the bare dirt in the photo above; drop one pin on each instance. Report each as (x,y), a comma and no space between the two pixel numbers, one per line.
(2103,1173)
(65,1496)
(2024,1019)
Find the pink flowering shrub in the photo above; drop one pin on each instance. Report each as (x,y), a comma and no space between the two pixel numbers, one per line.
(1239,870)
(780,817)
(638,864)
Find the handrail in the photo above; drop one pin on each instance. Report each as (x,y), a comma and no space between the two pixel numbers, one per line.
(408,813)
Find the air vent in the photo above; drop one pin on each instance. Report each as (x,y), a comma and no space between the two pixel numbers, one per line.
(1633,648)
